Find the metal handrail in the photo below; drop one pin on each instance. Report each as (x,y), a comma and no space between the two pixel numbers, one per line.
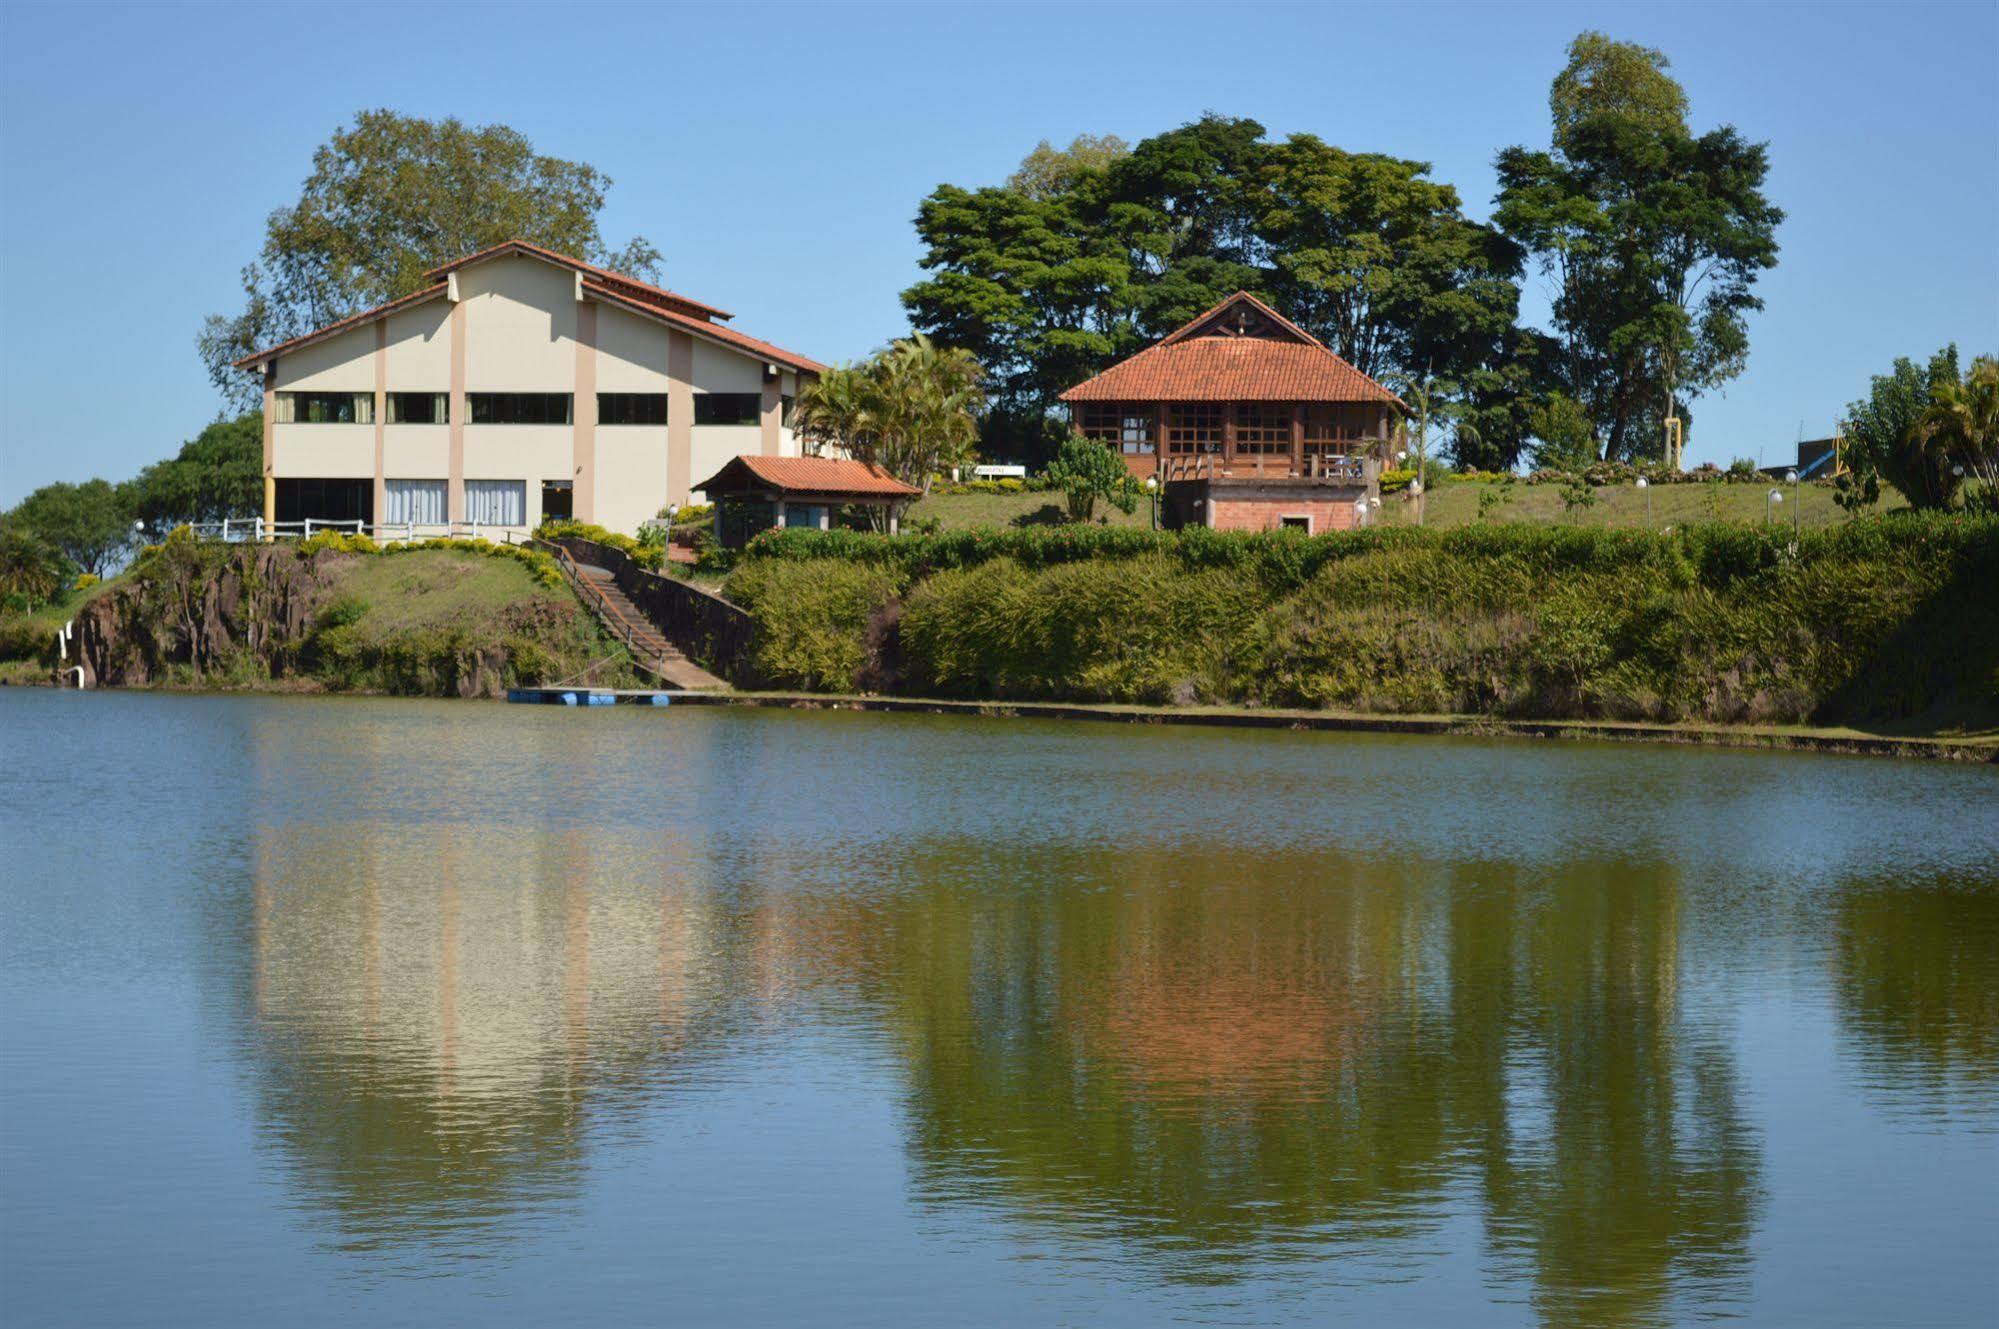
(593,594)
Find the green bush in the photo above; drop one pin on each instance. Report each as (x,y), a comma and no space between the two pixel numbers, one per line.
(1724,622)
(814,618)
(647,554)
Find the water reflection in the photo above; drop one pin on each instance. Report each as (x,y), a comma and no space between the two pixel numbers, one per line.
(1917,972)
(432,1027)
(1200,1067)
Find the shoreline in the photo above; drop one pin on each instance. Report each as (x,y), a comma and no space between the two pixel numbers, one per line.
(1977,748)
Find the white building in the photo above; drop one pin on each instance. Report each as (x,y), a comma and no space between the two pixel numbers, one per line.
(519,384)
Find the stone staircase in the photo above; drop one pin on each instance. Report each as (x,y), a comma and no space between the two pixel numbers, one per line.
(650,650)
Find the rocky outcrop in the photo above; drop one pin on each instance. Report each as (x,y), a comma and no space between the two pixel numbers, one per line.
(203,610)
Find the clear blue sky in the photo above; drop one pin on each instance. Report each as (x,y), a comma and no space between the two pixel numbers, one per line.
(777,152)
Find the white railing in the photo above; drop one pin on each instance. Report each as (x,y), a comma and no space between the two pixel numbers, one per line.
(255,530)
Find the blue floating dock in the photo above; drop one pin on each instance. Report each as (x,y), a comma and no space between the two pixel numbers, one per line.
(587,697)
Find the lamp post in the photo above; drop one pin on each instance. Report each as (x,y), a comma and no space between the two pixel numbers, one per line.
(1797,508)
(1152,493)
(1646,486)
(1776,497)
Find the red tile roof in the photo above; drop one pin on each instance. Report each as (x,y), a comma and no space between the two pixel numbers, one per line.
(742,341)
(626,292)
(807,475)
(1191,364)
(351,321)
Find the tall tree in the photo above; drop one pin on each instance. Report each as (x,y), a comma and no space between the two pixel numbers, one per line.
(1058,275)
(88,522)
(389,198)
(1379,261)
(1049,171)
(1890,434)
(1654,239)
(218,473)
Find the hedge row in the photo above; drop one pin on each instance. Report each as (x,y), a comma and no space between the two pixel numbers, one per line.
(1876,619)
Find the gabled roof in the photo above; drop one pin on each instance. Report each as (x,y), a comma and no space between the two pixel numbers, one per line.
(1240,350)
(629,285)
(599,283)
(826,476)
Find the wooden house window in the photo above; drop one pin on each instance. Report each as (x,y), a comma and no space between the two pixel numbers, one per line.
(1127,426)
(1194,426)
(1263,427)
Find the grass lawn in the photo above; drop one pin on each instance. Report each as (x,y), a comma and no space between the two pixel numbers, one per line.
(1452,504)
(430,588)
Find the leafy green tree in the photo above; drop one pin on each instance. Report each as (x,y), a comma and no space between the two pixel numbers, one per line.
(1654,239)
(1564,439)
(32,570)
(1887,434)
(219,473)
(87,522)
(1379,261)
(1085,471)
(1081,261)
(389,198)
(1049,172)
(911,409)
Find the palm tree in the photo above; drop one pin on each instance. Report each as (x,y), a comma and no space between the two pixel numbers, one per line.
(836,409)
(911,409)
(1961,426)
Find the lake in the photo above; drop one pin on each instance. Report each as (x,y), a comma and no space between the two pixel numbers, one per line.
(336,1011)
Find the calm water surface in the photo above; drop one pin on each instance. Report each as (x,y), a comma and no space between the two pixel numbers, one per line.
(380,1012)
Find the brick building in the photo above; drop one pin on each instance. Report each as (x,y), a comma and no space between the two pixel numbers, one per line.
(1247,421)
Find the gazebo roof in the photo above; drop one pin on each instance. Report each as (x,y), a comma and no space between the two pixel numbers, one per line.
(810,477)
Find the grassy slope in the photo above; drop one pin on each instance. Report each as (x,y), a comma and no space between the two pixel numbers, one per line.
(420,601)
(1453,504)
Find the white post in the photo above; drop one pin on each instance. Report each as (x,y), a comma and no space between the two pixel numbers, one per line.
(225,530)
(308,528)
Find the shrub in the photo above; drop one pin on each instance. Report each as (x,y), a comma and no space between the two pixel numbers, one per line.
(648,553)
(813,617)
(1085,471)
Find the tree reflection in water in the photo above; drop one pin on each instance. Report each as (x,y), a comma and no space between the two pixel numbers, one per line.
(1225,1065)
(1208,1067)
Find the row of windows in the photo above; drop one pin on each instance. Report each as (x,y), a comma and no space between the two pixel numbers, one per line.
(1261,428)
(516,408)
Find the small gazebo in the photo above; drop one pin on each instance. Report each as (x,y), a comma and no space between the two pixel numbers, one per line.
(753,493)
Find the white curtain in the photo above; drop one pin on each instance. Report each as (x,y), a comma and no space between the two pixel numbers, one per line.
(418,501)
(496,502)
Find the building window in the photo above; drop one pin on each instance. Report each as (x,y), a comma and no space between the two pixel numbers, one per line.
(1263,428)
(1296,524)
(558,500)
(785,407)
(413,502)
(1126,426)
(1194,426)
(419,408)
(728,408)
(631,408)
(496,502)
(325,500)
(326,408)
(519,408)
(1332,429)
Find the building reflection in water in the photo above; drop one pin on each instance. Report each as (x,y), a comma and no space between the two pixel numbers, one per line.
(430,1028)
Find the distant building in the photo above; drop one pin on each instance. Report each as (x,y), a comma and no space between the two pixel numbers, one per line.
(517,384)
(1818,459)
(1247,421)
